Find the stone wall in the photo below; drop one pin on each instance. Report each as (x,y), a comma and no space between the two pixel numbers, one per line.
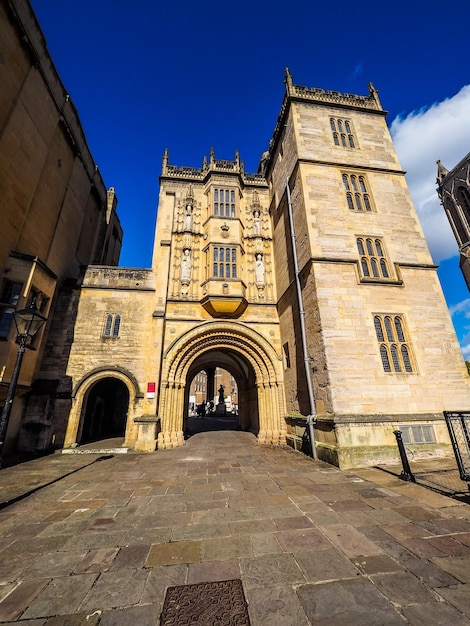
(54,206)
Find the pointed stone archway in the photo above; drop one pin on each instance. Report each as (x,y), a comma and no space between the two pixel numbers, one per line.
(259,368)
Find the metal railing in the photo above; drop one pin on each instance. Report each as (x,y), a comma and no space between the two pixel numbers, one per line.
(458,424)
(445,480)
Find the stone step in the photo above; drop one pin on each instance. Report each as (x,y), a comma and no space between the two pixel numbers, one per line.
(95,451)
(110,445)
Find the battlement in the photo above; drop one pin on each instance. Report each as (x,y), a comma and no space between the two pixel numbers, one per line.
(333,97)
(107,277)
(370,102)
(211,165)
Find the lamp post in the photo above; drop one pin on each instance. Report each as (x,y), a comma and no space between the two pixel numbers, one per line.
(27,321)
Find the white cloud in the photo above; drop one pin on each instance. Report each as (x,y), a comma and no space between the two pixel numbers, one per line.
(461,307)
(440,131)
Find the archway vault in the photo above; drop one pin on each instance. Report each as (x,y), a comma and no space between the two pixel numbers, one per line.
(245,345)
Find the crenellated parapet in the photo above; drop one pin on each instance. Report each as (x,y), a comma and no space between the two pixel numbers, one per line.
(211,166)
(129,278)
(315,95)
(332,97)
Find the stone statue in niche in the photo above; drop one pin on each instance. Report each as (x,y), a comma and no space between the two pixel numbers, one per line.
(188,217)
(186,265)
(256,223)
(259,268)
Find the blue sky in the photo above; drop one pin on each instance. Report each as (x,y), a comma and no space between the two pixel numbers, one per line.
(148,75)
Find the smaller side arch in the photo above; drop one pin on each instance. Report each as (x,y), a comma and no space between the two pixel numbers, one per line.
(111,371)
(81,392)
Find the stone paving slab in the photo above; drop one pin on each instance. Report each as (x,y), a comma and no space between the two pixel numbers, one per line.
(28,477)
(99,543)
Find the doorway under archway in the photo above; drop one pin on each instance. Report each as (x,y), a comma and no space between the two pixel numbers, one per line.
(250,359)
(229,400)
(105,411)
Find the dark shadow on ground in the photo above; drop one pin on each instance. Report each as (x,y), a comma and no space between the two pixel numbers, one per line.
(442,480)
(207,424)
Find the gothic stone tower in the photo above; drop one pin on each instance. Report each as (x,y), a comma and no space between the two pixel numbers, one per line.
(381,346)
(216,303)
(453,189)
(226,290)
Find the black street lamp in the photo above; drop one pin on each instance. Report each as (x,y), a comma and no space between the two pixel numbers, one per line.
(28,321)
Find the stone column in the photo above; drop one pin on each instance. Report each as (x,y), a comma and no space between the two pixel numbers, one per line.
(171,437)
(210,372)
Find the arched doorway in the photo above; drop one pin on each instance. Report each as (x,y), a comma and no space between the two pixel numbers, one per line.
(225,371)
(115,390)
(105,411)
(248,356)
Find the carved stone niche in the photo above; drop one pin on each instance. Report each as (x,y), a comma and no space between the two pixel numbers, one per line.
(259,248)
(187,240)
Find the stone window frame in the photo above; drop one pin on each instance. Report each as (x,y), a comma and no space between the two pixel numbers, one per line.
(219,263)
(112,325)
(418,433)
(343,133)
(286,351)
(463,197)
(394,346)
(456,220)
(357,192)
(226,207)
(374,264)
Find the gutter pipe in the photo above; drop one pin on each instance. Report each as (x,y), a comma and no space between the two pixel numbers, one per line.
(311,416)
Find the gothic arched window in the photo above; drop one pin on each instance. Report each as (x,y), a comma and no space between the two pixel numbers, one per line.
(342,128)
(393,345)
(356,184)
(112,325)
(373,258)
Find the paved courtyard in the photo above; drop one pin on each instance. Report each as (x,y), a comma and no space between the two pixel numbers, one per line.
(100,541)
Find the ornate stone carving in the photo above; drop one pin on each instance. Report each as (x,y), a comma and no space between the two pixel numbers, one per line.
(259,269)
(188,210)
(256,222)
(187,240)
(186,264)
(188,217)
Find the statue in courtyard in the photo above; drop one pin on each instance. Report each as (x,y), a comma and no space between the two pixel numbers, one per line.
(221,394)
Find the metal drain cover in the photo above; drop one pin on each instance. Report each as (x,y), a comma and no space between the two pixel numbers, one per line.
(206,604)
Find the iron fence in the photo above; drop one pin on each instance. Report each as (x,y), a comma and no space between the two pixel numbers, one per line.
(443,476)
(458,424)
